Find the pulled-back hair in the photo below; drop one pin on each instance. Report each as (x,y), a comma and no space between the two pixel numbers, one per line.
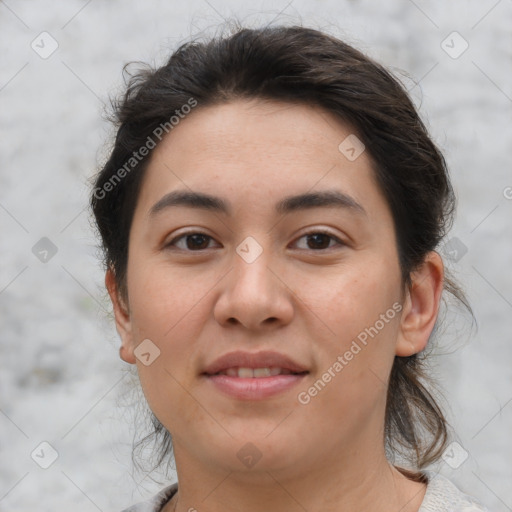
(300,65)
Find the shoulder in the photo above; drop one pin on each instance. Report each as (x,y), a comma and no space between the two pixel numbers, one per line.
(156,503)
(444,496)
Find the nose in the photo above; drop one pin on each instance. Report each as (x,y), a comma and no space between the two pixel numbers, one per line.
(254,295)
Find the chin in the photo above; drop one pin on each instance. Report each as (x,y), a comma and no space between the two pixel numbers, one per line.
(255,452)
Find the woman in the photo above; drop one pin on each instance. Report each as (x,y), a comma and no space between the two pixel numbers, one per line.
(269,215)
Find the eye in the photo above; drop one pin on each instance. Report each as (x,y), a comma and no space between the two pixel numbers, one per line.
(193,241)
(318,240)
(197,241)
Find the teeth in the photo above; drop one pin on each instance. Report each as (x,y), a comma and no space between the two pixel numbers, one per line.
(245,373)
(248,373)
(262,372)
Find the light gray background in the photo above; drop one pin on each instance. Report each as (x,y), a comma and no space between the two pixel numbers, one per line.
(61,378)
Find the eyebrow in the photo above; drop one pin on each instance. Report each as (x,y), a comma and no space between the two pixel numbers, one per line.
(321,199)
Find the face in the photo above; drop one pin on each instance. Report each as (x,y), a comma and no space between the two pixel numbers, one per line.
(307,290)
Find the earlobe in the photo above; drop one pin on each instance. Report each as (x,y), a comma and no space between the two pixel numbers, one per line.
(421,306)
(122,318)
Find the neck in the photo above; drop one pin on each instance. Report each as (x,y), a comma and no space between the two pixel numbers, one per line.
(329,485)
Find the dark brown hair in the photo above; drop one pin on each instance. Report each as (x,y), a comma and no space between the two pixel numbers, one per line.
(301,65)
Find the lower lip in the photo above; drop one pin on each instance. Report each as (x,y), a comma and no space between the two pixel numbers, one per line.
(257,388)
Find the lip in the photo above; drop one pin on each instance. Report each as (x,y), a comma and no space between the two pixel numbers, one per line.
(264,359)
(254,388)
(257,388)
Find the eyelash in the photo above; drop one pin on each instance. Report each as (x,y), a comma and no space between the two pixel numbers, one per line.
(190,233)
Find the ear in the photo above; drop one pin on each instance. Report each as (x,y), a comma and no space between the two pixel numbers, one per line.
(421,306)
(122,316)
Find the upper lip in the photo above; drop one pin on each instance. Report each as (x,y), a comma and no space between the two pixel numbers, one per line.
(265,359)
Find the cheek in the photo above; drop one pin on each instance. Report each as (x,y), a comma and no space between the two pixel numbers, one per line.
(170,310)
(355,298)
(165,303)
(169,397)
(172,321)
(361,309)
(162,312)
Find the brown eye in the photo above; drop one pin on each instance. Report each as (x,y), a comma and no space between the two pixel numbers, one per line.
(319,240)
(192,241)
(196,241)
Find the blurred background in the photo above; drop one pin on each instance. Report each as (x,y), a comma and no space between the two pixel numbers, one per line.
(68,410)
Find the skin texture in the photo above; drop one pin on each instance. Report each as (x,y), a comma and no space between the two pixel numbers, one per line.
(307,302)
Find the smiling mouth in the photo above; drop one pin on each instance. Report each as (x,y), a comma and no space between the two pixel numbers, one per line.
(249,384)
(255,373)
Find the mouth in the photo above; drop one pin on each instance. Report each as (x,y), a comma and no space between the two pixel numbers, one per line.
(255,373)
(254,376)
(254,388)
(254,364)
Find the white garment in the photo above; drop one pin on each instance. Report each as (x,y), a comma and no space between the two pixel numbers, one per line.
(441,496)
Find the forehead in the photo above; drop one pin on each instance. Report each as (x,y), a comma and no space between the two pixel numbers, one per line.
(253,150)
(256,130)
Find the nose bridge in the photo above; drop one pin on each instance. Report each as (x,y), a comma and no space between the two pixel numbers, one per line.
(252,293)
(251,263)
